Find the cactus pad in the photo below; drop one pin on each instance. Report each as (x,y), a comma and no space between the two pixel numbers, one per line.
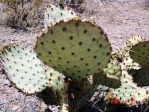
(130,94)
(113,69)
(102,79)
(75,48)
(55,13)
(139,53)
(56,79)
(141,77)
(123,53)
(24,69)
(128,45)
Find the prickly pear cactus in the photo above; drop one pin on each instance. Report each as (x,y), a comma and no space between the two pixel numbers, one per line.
(139,53)
(55,13)
(130,94)
(123,54)
(102,79)
(141,77)
(76,48)
(127,61)
(24,69)
(56,79)
(113,68)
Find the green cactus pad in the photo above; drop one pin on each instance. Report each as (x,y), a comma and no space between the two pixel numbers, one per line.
(141,77)
(55,13)
(123,53)
(129,43)
(56,79)
(130,94)
(102,79)
(139,53)
(113,69)
(24,69)
(128,62)
(75,48)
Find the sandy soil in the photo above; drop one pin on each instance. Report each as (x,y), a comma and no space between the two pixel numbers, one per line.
(119,20)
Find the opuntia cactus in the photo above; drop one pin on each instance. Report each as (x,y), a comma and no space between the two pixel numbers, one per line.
(55,13)
(76,48)
(141,77)
(81,51)
(102,79)
(123,53)
(139,53)
(113,69)
(130,94)
(56,79)
(24,69)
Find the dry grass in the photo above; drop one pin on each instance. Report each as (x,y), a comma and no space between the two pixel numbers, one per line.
(21,13)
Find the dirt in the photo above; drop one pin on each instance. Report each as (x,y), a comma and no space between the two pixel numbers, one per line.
(118,19)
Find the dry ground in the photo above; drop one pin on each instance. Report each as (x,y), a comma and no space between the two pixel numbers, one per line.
(119,20)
